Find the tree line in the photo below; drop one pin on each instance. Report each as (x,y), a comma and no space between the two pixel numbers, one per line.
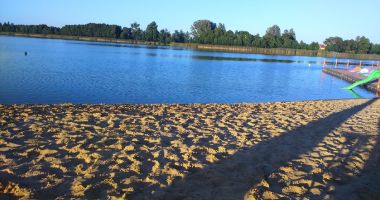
(134,32)
(202,32)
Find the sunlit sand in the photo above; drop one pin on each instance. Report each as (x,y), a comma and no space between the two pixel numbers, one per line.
(311,149)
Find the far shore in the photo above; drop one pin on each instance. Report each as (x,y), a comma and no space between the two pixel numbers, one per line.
(208,47)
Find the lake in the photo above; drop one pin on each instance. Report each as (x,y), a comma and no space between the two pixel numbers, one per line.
(64,71)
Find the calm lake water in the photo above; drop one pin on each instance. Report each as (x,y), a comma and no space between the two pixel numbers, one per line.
(59,71)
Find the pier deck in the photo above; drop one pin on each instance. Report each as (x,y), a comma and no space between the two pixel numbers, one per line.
(351,78)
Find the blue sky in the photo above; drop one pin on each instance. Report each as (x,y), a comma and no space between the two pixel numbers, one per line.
(312,20)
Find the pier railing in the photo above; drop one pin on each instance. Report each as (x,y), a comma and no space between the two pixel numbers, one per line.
(345,71)
(350,64)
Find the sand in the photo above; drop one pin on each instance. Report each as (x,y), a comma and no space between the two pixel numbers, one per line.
(289,150)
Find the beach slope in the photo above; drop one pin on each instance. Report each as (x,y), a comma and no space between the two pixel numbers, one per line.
(288,150)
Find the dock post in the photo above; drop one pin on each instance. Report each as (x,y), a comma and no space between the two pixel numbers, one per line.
(336,62)
(348,64)
(360,65)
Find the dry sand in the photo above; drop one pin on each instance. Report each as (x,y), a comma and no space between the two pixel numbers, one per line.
(291,150)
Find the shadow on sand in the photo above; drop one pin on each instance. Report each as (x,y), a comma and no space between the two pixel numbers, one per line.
(233,177)
(367,181)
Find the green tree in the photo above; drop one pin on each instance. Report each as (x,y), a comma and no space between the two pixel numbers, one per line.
(89,30)
(288,39)
(334,44)
(126,33)
(136,32)
(291,34)
(116,31)
(202,28)
(151,32)
(302,45)
(244,38)
(375,49)
(363,44)
(219,33)
(313,46)
(272,37)
(274,31)
(202,31)
(179,36)
(164,36)
(257,41)
(349,46)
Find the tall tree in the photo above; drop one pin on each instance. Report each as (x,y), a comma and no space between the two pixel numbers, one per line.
(257,41)
(274,31)
(126,33)
(272,37)
(334,44)
(220,30)
(271,41)
(202,26)
(291,35)
(288,39)
(136,32)
(313,46)
(302,45)
(244,38)
(151,32)
(350,46)
(179,36)
(363,44)
(375,48)
(164,36)
(89,30)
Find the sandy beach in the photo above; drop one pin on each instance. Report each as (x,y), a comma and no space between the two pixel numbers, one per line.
(284,150)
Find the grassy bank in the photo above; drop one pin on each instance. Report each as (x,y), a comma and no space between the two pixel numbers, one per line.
(280,51)
(207,47)
(67,37)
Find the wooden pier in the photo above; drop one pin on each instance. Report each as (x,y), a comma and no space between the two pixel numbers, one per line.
(351,78)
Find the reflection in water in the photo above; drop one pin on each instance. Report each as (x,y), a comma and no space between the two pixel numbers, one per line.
(127,45)
(356,95)
(222,58)
(124,45)
(239,59)
(58,71)
(198,57)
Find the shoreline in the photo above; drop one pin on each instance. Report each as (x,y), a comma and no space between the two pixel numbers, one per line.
(212,48)
(310,149)
(179,104)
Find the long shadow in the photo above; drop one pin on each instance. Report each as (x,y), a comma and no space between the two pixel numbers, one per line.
(366,184)
(341,166)
(233,177)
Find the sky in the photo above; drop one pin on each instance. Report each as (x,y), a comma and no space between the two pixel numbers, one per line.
(312,20)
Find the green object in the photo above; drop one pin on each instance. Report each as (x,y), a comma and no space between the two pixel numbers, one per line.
(356,95)
(372,76)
